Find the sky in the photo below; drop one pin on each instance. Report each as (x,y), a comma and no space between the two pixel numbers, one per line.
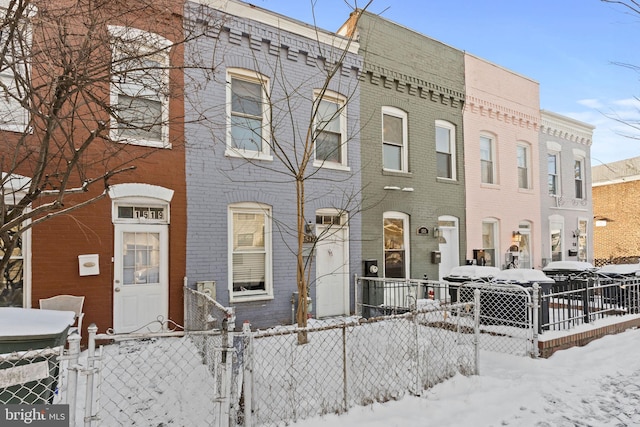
(573,48)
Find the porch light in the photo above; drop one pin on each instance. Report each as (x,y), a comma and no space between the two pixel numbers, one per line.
(516,237)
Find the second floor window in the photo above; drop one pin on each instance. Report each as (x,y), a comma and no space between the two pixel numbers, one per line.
(140,87)
(247,114)
(329,131)
(487,162)
(394,139)
(14,91)
(552,168)
(523,166)
(578,168)
(445,149)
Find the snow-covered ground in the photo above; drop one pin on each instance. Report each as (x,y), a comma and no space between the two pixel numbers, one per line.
(594,385)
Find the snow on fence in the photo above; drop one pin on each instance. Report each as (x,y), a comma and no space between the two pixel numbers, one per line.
(506,310)
(354,363)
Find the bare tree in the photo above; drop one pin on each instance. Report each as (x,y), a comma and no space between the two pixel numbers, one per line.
(82,82)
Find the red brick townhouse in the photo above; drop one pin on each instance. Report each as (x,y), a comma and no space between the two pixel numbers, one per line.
(92,106)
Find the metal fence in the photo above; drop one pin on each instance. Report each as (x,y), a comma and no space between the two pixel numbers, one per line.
(354,363)
(30,377)
(506,310)
(576,299)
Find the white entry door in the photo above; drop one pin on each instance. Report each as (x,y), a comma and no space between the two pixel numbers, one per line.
(449,245)
(332,271)
(141,279)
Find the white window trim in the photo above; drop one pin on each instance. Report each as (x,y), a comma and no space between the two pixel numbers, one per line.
(147,43)
(139,195)
(496,239)
(21,126)
(558,192)
(494,160)
(406,241)
(452,146)
(582,178)
(527,152)
(404,157)
(335,98)
(246,296)
(255,77)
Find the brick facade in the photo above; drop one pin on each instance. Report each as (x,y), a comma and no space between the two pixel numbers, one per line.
(425,79)
(53,266)
(616,199)
(295,64)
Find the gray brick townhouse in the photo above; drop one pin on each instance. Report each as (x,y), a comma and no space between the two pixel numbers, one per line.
(247,119)
(411,100)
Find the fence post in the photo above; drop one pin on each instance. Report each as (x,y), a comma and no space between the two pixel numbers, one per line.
(247,385)
(585,301)
(476,327)
(536,321)
(91,354)
(344,366)
(72,387)
(416,345)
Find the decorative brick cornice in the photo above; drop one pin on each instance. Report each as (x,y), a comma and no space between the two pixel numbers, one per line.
(412,85)
(566,128)
(501,113)
(278,41)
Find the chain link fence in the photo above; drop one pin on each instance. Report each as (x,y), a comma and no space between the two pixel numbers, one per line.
(354,363)
(507,317)
(30,377)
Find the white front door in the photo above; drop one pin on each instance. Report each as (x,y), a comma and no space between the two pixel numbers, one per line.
(449,245)
(332,271)
(141,279)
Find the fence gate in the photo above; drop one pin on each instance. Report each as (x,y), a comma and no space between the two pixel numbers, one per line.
(506,316)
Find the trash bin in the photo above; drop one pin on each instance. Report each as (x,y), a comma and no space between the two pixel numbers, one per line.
(465,274)
(31,378)
(526,278)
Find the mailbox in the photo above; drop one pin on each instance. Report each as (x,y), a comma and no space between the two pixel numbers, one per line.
(436,257)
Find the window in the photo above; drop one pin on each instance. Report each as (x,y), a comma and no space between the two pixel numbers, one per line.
(247,112)
(445,149)
(13,93)
(552,168)
(329,131)
(489,232)
(578,173)
(396,243)
(487,162)
(522,152)
(250,251)
(394,139)
(15,289)
(139,87)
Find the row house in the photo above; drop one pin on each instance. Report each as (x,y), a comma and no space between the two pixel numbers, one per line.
(566,207)
(501,125)
(616,192)
(235,127)
(109,78)
(411,101)
(281,102)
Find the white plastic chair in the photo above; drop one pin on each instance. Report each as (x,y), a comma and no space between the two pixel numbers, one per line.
(66,303)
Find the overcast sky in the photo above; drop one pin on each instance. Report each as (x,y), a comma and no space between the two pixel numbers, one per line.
(573,48)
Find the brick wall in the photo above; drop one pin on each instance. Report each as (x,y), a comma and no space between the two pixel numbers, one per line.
(424,78)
